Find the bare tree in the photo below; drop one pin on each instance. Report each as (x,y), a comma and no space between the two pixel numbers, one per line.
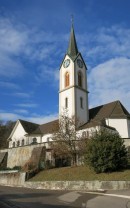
(66,141)
(5,130)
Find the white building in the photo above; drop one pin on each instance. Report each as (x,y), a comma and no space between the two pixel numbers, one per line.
(73,96)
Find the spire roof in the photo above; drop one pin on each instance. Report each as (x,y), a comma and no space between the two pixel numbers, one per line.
(72,49)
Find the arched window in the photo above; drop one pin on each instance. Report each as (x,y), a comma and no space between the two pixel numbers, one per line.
(79,79)
(13,144)
(84,134)
(34,140)
(22,142)
(67,79)
(66,102)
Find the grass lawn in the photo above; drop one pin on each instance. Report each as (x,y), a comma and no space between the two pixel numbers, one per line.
(79,173)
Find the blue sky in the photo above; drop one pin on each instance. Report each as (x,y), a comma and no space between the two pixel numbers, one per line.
(34,37)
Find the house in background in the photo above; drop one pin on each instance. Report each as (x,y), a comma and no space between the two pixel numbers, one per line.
(73,96)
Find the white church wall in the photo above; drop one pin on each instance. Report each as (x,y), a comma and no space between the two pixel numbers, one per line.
(82,113)
(67,92)
(47,138)
(120,125)
(127,142)
(31,139)
(18,135)
(39,138)
(87,132)
(70,95)
(128,124)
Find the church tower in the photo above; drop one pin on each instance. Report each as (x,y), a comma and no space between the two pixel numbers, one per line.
(73,94)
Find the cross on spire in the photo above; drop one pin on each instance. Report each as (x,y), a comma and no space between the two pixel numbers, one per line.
(72,19)
(72,49)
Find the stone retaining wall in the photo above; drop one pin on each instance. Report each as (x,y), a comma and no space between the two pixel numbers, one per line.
(15,179)
(10,178)
(79,185)
(18,156)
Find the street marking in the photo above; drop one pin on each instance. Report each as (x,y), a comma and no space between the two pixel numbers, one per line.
(113,195)
(69,197)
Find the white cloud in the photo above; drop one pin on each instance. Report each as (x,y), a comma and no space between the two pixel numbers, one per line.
(43,119)
(22,95)
(10,67)
(21,111)
(104,44)
(18,42)
(37,119)
(9,116)
(110,81)
(27,105)
(115,40)
(43,52)
(12,42)
(47,74)
(108,59)
(13,39)
(9,85)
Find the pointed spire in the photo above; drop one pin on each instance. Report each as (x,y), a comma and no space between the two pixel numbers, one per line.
(72,49)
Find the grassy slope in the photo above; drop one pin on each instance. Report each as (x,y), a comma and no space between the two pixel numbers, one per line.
(79,173)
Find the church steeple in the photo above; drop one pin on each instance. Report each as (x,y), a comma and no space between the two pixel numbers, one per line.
(72,49)
(73,94)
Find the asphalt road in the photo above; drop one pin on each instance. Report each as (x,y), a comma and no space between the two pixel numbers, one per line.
(11,197)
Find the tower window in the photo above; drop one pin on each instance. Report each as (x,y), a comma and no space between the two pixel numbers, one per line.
(67,79)
(81,102)
(66,102)
(79,79)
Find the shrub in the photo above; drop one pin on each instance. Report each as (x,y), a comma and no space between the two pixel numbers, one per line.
(16,168)
(106,152)
(5,168)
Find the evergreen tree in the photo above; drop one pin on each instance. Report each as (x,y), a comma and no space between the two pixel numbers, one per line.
(106,152)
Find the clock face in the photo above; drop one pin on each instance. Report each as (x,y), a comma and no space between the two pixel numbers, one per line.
(80,63)
(66,63)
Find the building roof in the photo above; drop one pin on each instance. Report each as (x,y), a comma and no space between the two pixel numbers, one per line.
(47,128)
(110,110)
(28,126)
(72,48)
(98,114)
(97,117)
(2,155)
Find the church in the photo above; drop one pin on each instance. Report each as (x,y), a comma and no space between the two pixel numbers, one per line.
(73,96)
